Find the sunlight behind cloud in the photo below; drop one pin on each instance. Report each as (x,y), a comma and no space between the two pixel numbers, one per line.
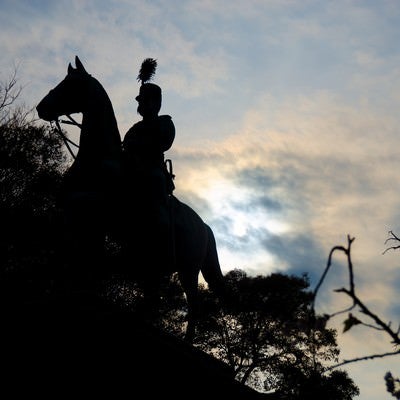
(223,195)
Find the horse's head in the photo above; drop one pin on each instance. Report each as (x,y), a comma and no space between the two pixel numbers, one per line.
(67,97)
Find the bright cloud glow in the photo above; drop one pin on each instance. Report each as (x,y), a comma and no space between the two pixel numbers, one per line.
(222,193)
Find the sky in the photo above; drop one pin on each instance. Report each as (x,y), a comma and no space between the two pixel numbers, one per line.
(287,127)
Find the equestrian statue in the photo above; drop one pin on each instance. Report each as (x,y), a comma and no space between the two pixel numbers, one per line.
(123,189)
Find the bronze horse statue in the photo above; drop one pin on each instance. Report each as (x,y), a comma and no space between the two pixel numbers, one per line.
(94,196)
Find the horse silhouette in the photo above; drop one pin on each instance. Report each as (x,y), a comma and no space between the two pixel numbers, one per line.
(94,203)
(90,184)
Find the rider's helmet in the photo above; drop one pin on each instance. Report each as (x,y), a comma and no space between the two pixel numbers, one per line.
(149,90)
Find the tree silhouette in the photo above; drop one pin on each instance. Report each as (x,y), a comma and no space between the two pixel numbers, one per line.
(269,335)
(31,167)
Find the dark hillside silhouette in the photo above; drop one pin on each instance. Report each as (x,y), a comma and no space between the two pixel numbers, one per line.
(110,354)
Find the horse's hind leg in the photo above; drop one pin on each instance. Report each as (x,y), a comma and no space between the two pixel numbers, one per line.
(189,283)
(211,268)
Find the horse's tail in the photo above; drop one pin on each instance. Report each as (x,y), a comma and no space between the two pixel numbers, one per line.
(211,269)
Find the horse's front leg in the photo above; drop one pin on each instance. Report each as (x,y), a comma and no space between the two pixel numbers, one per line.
(152,301)
(191,327)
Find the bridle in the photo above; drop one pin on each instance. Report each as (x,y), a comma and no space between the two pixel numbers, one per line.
(67,141)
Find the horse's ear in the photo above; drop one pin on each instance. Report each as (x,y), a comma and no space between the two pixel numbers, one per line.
(79,65)
(70,69)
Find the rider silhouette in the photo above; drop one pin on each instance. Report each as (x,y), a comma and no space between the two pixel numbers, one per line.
(143,146)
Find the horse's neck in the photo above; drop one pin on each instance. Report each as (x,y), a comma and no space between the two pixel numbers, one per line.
(99,125)
(99,122)
(99,115)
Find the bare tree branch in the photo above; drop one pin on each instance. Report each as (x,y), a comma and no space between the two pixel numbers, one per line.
(329,263)
(370,357)
(351,292)
(10,112)
(365,310)
(393,237)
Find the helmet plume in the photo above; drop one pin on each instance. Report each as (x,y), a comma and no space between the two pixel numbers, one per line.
(147,70)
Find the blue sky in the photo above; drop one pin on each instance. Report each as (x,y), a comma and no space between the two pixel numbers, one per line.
(287,124)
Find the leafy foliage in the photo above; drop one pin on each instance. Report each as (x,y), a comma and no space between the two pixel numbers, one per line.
(31,168)
(269,335)
(350,322)
(392,385)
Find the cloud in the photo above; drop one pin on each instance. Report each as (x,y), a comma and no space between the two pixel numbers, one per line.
(319,169)
(111,38)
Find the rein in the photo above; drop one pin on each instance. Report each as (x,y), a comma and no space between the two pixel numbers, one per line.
(67,141)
